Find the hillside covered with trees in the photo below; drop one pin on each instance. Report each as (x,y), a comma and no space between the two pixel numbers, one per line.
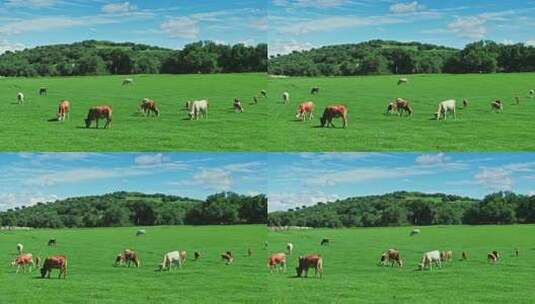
(133,209)
(378,57)
(103,57)
(411,208)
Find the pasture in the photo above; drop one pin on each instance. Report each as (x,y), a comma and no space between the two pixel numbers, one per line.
(32,125)
(351,273)
(92,278)
(476,128)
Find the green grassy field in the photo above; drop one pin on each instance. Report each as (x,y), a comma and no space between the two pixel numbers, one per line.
(27,127)
(351,273)
(476,127)
(91,277)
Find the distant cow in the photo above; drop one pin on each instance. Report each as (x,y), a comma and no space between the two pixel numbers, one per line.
(465,103)
(492,257)
(237,105)
(314,90)
(391,256)
(141,232)
(263,93)
(464,256)
(324,242)
(52,242)
(227,257)
(55,262)
(403,106)
(446,255)
(148,106)
(196,255)
(197,109)
(286,97)
(176,258)
(430,258)
(306,109)
(444,107)
(331,112)
(403,81)
(23,261)
(98,112)
(310,261)
(289,248)
(531,93)
(20,98)
(497,105)
(128,81)
(20,247)
(415,232)
(43,91)
(277,259)
(63,110)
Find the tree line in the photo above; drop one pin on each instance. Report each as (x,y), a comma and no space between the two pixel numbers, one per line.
(138,209)
(411,208)
(93,57)
(378,57)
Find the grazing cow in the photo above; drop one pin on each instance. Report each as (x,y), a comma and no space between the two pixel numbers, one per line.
(446,256)
(314,90)
(286,97)
(237,105)
(429,258)
(19,248)
(263,93)
(98,112)
(197,109)
(403,81)
(20,97)
(149,106)
(391,256)
(289,248)
(52,242)
(465,103)
(43,91)
(196,255)
(403,106)
(497,106)
(63,110)
(391,108)
(128,81)
(141,232)
(176,258)
(444,107)
(23,260)
(492,257)
(324,242)
(277,259)
(464,256)
(227,257)
(55,262)
(334,111)
(415,232)
(119,259)
(305,109)
(129,257)
(306,262)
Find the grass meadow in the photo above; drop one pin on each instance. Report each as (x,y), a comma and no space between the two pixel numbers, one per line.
(476,128)
(351,273)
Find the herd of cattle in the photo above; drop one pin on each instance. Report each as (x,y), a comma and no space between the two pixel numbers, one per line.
(398,107)
(196,109)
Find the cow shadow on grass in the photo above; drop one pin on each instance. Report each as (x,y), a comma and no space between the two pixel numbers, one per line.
(53,119)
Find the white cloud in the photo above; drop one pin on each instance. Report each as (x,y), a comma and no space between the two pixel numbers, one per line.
(286,200)
(287,47)
(530,42)
(311,3)
(431,159)
(150,159)
(80,175)
(472,27)
(260,24)
(217,179)
(48,23)
(181,27)
(31,3)
(494,179)
(336,22)
(118,8)
(402,8)
(8,46)
(12,200)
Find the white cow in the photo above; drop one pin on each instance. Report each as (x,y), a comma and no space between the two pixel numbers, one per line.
(286,97)
(20,97)
(403,81)
(290,248)
(128,81)
(140,232)
(197,109)
(429,258)
(19,248)
(444,107)
(176,258)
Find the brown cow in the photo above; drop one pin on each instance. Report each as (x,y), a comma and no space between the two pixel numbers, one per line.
(446,255)
(147,106)
(130,256)
(63,110)
(306,262)
(391,108)
(277,259)
(403,106)
(23,260)
(55,262)
(227,257)
(392,256)
(98,112)
(305,110)
(334,111)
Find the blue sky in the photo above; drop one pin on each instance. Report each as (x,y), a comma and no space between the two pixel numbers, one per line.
(308,178)
(167,23)
(31,178)
(303,24)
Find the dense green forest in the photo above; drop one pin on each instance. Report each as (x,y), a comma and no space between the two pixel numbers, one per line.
(377,57)
(411,208)
(133,209)
(103,57)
